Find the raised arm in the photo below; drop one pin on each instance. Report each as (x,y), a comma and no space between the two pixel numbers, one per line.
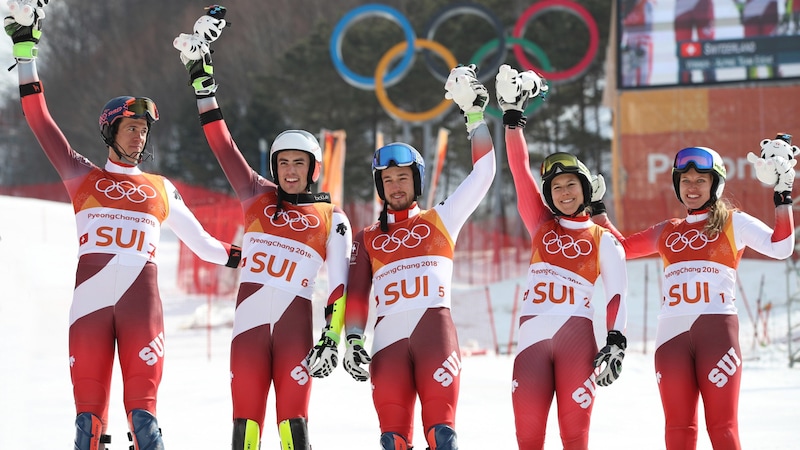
(68,163)
(463,87)
(514,90)
(196,57)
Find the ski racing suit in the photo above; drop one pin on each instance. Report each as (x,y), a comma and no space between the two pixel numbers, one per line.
(557,345)
(415,349)
(119,212)
(281,257)
(697,339)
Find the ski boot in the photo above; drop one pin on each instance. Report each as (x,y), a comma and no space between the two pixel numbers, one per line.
(246,435)
(442,437)
(294,434)
(89,433)
(394,441)
(145,433)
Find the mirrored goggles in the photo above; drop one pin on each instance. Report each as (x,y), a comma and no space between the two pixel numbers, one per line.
(393,154)
(141,107)
(552,163)
(699,158)
(785,137)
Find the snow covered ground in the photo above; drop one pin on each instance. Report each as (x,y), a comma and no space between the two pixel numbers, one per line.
(37,254)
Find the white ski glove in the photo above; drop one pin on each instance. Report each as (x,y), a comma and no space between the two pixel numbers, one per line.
(355,356)
(24,26)
(324,357)
(609,360)
(468,93)
(196,51)
(514,89)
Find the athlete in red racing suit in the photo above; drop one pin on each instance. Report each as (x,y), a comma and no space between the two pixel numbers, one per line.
(408,259)
(119,212)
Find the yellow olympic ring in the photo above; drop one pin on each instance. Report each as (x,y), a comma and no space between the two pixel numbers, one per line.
(383,97)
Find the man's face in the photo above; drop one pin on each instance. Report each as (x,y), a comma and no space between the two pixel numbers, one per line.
(398,187)
(131,138)
(293,171)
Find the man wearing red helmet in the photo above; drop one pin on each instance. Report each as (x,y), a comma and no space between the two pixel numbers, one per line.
(119,211)
(407,258)
(289,234)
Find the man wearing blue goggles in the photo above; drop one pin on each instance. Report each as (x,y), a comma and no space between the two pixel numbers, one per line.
(407,257)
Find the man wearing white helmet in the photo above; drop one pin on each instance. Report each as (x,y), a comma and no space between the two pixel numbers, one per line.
(289,232)
(119,211)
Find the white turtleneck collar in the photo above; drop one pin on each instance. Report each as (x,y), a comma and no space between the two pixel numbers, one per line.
(126,169)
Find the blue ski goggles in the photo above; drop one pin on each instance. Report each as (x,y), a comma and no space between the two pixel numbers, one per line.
(400,155)
(696,157)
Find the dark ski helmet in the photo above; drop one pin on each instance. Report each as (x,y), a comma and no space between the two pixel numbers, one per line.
(125,106)
(559,163)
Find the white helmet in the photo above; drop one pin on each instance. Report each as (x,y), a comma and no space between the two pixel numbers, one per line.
(300,140)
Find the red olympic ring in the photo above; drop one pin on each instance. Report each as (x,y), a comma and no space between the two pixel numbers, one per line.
(571,7)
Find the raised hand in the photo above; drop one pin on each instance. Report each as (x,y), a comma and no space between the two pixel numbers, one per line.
(355,356)
(24,26)
(196,51)
(609,360)
(324,357)
(514,89)
(462,86)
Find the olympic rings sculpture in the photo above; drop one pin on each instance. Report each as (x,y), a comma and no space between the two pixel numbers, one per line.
(496,48)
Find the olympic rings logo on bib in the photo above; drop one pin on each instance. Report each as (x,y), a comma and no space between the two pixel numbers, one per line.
(693,239)
(294,219)
(125,189)
(497,48)
(566,245)
(401,237)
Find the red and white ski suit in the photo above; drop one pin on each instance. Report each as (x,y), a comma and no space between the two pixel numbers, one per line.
(119,212)
(557,344)
(697,340)
(415,349)
(281,258)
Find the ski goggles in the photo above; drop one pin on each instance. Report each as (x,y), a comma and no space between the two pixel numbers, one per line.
(141,107)
(696,157)
(559,162)
(400,155)
(786,137)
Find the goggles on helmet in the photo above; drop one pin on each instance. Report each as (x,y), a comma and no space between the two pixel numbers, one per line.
(696,157)
(564,161)
(141,107)
(393,154)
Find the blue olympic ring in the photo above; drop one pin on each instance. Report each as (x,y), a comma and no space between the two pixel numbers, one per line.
(351,18)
